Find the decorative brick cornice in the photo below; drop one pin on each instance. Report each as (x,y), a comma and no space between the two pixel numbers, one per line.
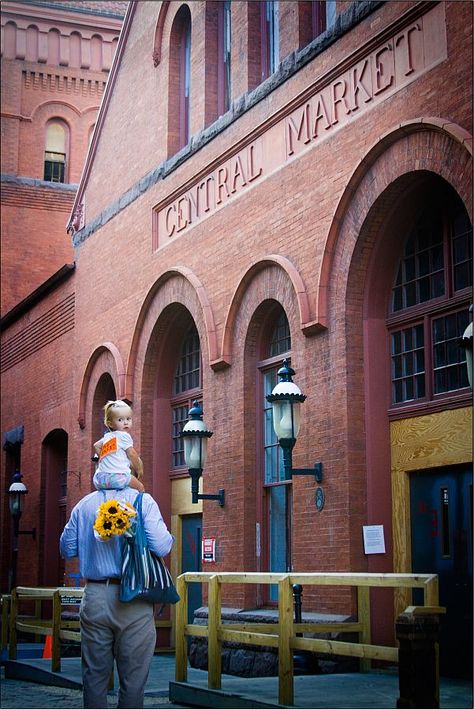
(53,82)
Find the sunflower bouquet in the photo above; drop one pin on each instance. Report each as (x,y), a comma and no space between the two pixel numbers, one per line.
(114,518)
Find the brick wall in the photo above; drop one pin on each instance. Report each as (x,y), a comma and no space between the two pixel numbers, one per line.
(34,90)
(227,271)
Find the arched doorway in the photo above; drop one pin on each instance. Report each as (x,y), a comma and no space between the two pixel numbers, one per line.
(54,477)
(416,301)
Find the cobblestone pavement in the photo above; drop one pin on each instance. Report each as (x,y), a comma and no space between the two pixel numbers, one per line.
(16,694)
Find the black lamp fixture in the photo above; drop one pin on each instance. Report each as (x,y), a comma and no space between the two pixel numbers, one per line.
(286,399)
(196,434)
(16,497)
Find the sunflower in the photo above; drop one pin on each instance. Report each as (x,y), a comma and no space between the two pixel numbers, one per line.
(104,526)
(113,518)
(121,523)
(111,507)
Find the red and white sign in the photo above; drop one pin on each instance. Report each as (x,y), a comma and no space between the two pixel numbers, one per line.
(209,550)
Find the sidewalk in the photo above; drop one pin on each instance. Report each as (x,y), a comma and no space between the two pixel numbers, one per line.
(377,690)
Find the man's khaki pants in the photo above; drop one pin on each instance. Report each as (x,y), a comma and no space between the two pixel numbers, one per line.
(112,630)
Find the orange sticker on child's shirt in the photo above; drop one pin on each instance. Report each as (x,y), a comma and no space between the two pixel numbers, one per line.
(109,447)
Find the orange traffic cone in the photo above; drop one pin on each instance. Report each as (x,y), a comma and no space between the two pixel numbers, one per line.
(48,648)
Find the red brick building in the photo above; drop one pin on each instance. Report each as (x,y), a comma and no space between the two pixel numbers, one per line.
(56,57)
(268,181)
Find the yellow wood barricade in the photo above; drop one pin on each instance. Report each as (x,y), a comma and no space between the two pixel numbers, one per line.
(56,626)
(284,634)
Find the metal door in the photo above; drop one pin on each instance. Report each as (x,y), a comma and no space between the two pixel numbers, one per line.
(191,559)
(441,532)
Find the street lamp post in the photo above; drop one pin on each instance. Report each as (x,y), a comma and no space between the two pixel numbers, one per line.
(286,399)
(16,495)
(195,435)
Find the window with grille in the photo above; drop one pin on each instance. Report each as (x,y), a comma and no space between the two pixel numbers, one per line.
(430,304)
(186,389)
(276,491)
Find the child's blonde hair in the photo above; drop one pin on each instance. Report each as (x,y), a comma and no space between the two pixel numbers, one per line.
(110,405)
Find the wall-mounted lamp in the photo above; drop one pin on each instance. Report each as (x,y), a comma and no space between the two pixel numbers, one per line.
(466,342)
(286,399)
(195,435)
(16,496)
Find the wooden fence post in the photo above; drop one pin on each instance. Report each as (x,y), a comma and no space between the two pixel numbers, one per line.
(13,631)
(56,627)
(6,599)
(418,659)
(181,670)
(286,633)
(214,646)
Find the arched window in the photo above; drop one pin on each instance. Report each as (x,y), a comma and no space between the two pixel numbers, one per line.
(429,303)
(217,59)
(276,498)
(187,386)
(179,81)
(55,152)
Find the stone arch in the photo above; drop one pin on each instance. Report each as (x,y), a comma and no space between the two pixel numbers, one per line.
(400,159)
(176,301)
(266,287)
(306,324)
(414,155)
(105,359)
(179,284)
(41,107)
(433,144)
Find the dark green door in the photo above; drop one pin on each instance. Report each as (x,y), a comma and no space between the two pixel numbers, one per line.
(441,532)
(191,559)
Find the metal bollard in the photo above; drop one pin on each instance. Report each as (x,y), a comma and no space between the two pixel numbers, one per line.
(297,593)
(304,662)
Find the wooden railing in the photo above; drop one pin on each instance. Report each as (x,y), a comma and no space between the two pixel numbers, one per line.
(286,634)
(56,626)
